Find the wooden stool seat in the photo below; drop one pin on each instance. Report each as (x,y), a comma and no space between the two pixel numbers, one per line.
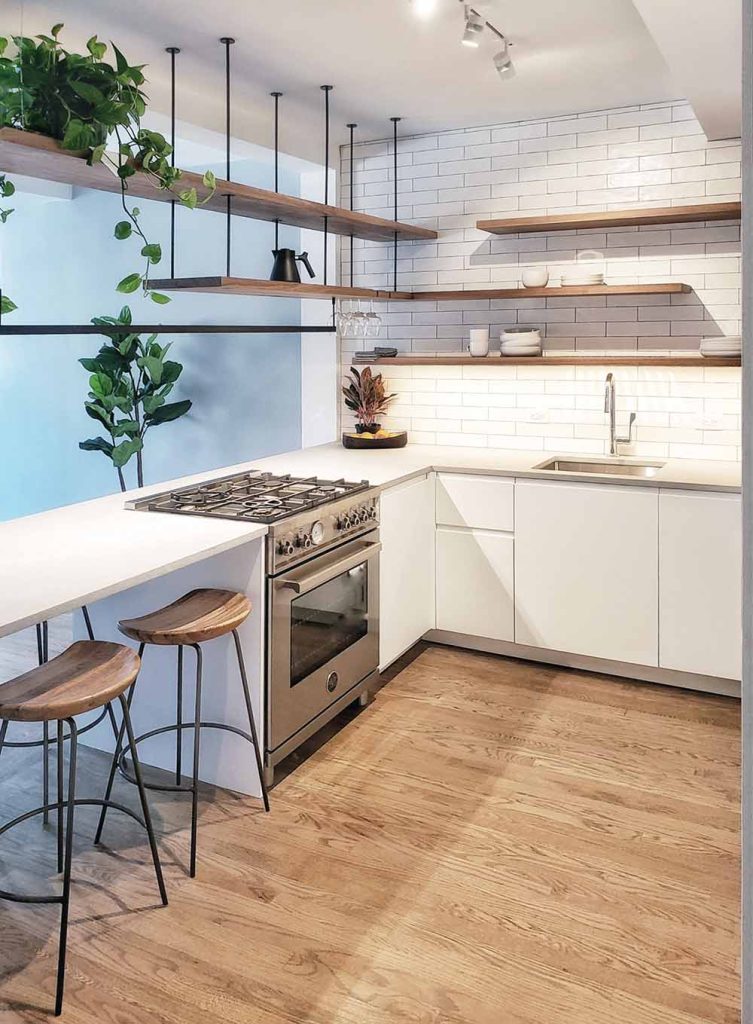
(197,616)
(88,675)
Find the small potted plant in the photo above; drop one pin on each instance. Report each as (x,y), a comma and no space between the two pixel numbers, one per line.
(365,395)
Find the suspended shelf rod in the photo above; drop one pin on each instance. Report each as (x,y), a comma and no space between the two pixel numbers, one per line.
(18,329)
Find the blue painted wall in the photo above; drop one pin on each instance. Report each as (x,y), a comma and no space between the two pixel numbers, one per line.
(60,263)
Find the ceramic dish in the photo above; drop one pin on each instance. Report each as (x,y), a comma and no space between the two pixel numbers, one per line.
(532,350)
(390,439)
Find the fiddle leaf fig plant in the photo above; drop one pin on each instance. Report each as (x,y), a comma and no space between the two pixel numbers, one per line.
(129,383)
(84,101)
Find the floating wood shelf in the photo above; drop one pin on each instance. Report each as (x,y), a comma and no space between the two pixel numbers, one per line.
(613,219)
(276,289)
(563,360)
(282,289)
(36,156)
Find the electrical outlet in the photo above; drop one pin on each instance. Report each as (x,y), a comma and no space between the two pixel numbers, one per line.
(712,421)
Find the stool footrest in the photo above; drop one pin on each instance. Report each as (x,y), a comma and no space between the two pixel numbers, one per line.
(83,802)
(165,787)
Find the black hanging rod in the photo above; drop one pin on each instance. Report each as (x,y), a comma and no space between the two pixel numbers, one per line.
(165,329)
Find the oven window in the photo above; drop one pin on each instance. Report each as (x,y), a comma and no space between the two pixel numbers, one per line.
(327,621)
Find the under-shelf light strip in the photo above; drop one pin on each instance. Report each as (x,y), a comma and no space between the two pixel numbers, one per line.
(172,50)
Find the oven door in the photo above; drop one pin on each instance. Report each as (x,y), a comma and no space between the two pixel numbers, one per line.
(324,634)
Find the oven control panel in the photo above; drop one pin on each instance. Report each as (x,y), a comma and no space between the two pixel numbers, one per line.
(298,540)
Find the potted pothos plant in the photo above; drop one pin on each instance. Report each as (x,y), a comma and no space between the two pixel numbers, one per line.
(129,383)
(87,102)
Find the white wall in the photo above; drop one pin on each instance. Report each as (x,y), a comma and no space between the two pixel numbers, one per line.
(654,155)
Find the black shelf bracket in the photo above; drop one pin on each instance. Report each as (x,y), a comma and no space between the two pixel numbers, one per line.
(42,329)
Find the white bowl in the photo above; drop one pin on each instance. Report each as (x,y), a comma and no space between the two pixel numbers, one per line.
(520,335)
(722,344)
(531,350)
(535,277)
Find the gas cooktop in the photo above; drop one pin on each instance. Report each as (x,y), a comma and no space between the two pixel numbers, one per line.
(252,496)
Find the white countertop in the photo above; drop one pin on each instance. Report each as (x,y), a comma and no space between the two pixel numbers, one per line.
(56,561)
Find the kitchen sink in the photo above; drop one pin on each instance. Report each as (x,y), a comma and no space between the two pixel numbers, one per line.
(602,467)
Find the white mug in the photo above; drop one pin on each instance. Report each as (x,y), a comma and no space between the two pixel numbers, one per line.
(479,343)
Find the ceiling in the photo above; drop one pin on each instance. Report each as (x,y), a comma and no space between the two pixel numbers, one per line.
(570,56)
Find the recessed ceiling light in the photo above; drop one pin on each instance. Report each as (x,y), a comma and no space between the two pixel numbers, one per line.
(424,9)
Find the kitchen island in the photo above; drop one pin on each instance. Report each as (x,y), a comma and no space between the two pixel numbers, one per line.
(121,562)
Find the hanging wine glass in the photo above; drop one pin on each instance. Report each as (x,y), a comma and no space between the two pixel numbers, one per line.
(373,323)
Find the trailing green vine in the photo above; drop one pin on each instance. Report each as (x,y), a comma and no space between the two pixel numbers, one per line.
(82,100)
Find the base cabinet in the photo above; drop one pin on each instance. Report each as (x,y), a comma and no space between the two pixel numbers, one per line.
(700,583)
(475,583)
(586,579)
(406,570)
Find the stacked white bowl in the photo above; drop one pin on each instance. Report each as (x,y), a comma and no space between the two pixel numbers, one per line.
(579,278)
(520,341)
(731,346)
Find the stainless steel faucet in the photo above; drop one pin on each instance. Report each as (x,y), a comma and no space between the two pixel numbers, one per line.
(610,406)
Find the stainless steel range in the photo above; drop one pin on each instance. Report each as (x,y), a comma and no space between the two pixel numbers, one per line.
(322,594)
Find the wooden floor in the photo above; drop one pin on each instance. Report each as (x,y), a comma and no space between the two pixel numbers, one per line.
(489,843)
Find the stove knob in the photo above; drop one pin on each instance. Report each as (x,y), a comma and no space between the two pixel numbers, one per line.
(307,541)
(363,515)
(281,548)
(299,540)
(289,549)
(372,512)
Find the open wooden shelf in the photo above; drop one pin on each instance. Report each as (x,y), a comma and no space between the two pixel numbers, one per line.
(36,156)
(252,286)
(563,360)
(613,219)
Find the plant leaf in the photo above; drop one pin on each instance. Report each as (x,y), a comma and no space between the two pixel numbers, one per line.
(152,251)
(122,452)
(129,284)
(7,305)
(171,411)
(123,230)
(159,298)
(153,367)
(95,48)
(97,444)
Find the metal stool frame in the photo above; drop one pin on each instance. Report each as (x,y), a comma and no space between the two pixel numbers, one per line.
(121,752)
(65,852)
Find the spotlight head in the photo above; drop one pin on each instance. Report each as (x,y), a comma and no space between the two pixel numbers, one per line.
(474,27)
(503,64)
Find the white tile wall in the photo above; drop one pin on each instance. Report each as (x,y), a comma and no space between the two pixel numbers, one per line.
(654,155)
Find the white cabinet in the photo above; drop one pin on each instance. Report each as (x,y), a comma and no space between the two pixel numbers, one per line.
(586,569)
(479,502)
(700,580)
(475,583)
(406,577)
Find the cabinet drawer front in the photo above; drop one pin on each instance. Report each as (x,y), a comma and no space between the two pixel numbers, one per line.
(478,502)
(475,581)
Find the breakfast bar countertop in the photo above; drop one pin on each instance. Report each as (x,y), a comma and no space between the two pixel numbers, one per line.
(56,561)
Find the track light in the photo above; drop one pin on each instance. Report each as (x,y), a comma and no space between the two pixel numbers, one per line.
(474,27)
(503,62)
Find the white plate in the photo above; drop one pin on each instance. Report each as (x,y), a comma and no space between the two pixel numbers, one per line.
(717,344)
(534,351)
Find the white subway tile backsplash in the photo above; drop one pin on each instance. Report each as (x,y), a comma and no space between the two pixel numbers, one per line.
(649,155)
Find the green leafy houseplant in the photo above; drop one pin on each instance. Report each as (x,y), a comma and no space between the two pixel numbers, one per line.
(130,380)
(365,395)
(82,100)
(7,188)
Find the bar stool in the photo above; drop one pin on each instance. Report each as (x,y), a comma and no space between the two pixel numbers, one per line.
(90,674)
(196,617)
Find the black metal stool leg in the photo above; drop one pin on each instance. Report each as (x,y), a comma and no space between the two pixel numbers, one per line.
(114,764)
(66,863)
(251,722)
(195,779)
(179,719)
(142,798)
(60,793)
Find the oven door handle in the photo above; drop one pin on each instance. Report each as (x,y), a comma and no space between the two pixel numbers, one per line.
(325,575)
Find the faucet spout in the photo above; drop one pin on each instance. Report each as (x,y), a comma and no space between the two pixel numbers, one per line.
(610,407)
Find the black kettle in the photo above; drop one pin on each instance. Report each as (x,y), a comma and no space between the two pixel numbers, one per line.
(285,268)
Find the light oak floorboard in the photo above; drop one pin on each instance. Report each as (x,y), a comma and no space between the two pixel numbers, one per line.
(490,841)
